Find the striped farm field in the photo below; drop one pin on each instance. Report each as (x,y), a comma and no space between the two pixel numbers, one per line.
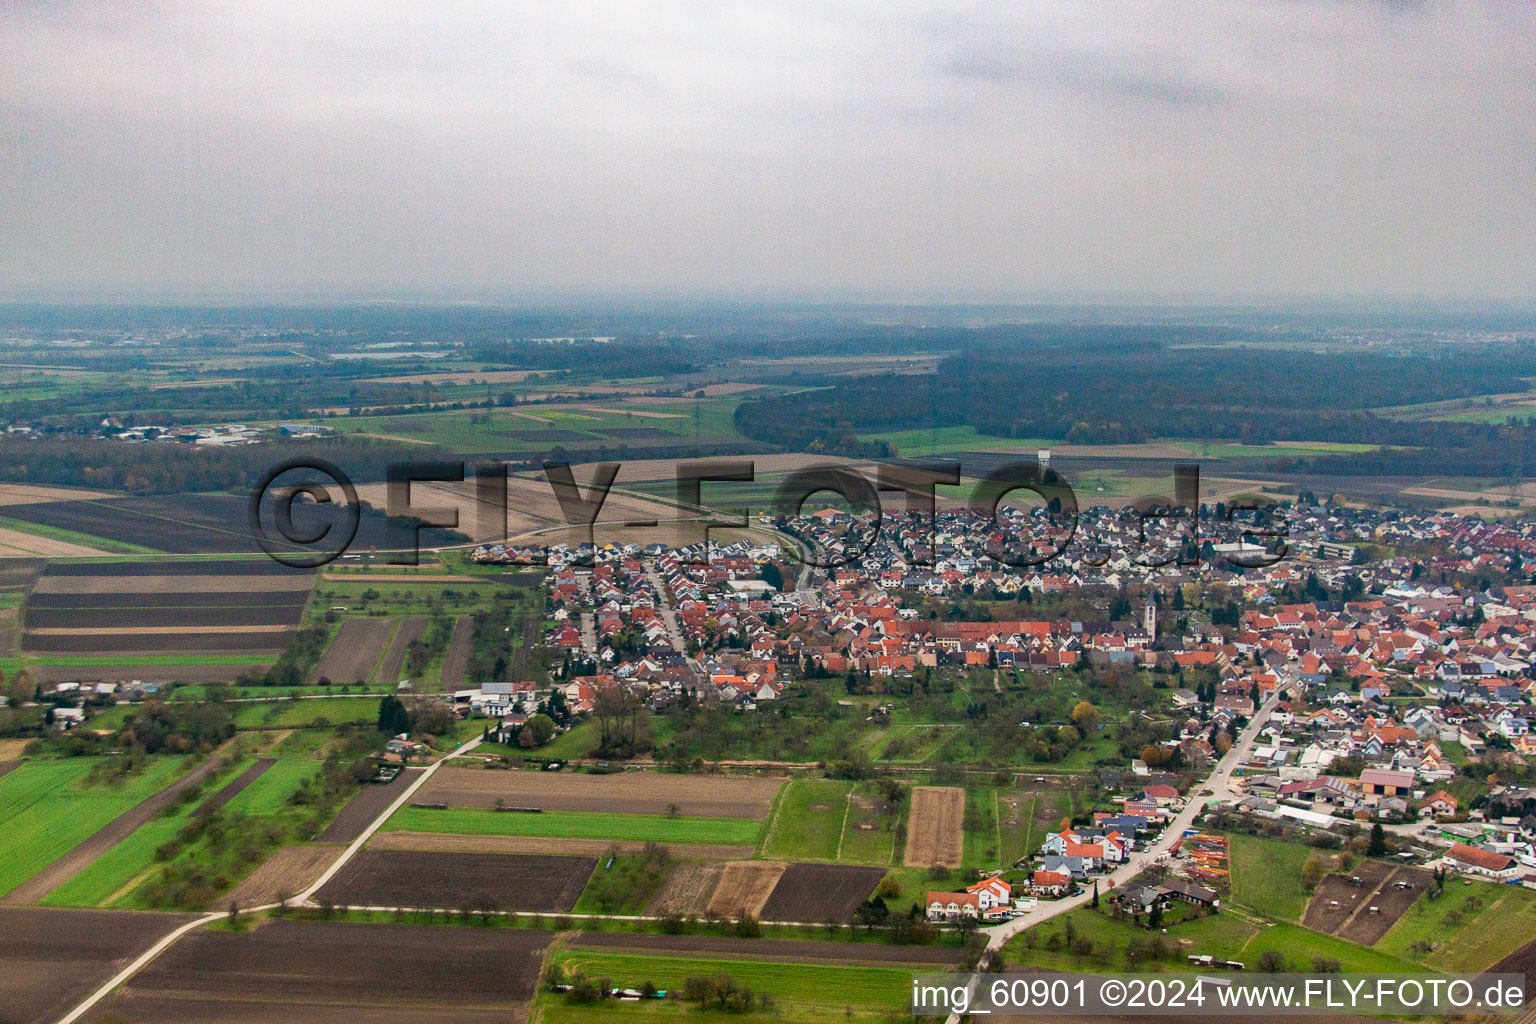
(49,807)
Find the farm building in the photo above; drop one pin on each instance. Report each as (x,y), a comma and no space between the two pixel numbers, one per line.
(1477,861)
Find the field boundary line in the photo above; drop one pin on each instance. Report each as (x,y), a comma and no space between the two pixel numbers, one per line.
(843,831)
(773,819)
(997,825)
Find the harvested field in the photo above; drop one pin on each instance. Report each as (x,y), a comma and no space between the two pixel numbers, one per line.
(702,796)
(456,658)
(114,832)
(1397,893)
(354,651)
(320,972)
(935,827)
(157,583)
(55,958)
(368,804)
(236,785)
(531,504)
(820,892)
(408,631)
(402,878)
(723,947)
(688,888)
(450,842)
(289,871)
(744,887)
(20,544)
(10,750)
(137,608)
(32,494)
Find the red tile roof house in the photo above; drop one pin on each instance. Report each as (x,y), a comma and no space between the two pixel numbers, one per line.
(1161,794)
(1477,861)
(984,900)
(1439,805)
(1050,883)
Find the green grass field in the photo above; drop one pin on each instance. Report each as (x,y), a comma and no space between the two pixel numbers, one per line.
(637,828)
(1266,876)
(1474,925)
(301,713)
(803,993)
(1220,935)
(49,807)
(114,871)
(982,839)
(875,845)
(808,822)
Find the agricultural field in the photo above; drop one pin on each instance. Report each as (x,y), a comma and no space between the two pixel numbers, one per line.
(179,524)
(401,878)
(1471,925)
(727,947)
(455,671)
(354,651)
(152,619)
(688,889)
(447,842)
(814,893)
(802,993)
(289,871)
(47,808)
(935,827)
(409,631)
(304,712)
(869,830)
(321,971)
(1266,876)
(53,959)
(628,793)
(370,802)
(638,828)
(97,870)
(808,822)
(744,887)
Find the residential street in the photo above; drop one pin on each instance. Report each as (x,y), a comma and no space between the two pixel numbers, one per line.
(1218,782)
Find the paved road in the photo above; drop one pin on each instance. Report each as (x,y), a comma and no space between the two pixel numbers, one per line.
(664,606)
(1219,782)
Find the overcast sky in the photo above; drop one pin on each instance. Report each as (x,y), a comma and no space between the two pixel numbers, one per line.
(774,150)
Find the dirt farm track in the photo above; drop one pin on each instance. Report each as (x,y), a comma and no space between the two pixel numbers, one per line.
(629,793)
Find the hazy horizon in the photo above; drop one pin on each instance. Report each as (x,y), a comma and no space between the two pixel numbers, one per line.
(1060,153)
